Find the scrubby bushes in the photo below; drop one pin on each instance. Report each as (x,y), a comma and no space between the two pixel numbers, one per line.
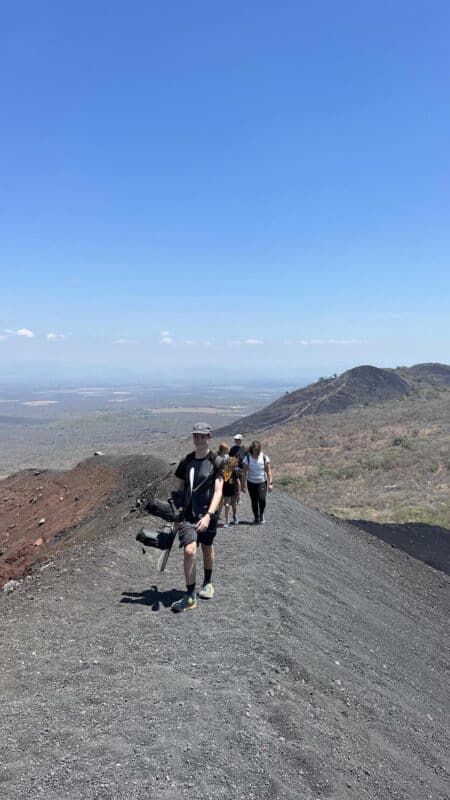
(402,441)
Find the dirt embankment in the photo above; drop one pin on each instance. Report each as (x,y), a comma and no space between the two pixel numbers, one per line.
(41,510)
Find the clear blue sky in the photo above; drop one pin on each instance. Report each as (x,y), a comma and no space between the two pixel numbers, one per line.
(263,186)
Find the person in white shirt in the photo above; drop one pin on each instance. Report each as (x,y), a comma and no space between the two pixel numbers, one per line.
(257,475)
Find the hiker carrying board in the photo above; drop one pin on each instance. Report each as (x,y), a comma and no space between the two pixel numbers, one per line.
(200,479)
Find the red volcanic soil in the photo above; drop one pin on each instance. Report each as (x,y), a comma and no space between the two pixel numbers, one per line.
(65,501)
(61,499)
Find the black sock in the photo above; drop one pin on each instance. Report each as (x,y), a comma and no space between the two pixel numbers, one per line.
(190,588)
(208,573)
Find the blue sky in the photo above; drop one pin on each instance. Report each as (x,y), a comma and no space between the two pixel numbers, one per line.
(260,187)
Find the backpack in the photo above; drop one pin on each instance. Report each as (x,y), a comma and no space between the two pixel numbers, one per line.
(247,458)
(229,470)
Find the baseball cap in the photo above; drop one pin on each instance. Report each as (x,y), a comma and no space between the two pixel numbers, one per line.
(237,436)
(201,427)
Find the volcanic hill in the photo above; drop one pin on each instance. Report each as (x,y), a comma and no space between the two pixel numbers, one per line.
(360,386)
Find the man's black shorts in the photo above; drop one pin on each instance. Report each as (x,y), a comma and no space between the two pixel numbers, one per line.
(187,533)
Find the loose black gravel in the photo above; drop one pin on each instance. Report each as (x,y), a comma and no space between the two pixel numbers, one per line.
(318,670)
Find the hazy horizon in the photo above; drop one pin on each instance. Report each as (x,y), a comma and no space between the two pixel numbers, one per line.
(43,375)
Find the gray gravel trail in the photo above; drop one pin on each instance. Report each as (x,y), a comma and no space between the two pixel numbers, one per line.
(318,670)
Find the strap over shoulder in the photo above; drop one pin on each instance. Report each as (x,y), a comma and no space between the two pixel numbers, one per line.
(218,462)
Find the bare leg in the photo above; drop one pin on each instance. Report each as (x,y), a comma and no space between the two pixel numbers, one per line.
(208,556)
(190,551)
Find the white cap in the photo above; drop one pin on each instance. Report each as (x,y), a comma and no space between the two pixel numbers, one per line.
(237,436)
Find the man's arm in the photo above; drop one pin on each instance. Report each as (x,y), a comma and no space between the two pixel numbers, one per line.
(204,521)
(178,494)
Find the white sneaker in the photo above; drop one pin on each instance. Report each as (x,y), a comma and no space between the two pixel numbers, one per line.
(207,591)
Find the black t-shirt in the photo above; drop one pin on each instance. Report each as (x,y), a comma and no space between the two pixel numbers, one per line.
(199,476)
(238,451)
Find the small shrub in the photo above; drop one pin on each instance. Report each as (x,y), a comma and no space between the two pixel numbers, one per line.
(285,480)
(347,472)
(294,481)
(401,441)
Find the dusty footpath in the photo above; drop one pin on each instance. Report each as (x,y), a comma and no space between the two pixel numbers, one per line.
(318,670)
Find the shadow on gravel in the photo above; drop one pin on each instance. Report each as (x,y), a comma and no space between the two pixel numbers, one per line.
(427,543)
(152,597)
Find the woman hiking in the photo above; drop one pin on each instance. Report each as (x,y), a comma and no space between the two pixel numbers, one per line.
(257,475)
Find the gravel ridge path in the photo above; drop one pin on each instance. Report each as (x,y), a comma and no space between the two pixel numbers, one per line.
(318,670)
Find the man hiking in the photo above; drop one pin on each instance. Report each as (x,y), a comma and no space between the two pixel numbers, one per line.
(238,451)
(200,479)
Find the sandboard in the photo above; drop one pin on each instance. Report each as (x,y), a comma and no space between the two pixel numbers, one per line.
(164,557)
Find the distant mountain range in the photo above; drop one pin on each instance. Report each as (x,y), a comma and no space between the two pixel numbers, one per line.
(363,385)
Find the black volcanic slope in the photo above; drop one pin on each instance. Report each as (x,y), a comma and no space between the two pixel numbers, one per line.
(356,387)
(318,670)
(433,374)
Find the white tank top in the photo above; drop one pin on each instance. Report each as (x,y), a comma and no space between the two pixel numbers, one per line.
(256,471)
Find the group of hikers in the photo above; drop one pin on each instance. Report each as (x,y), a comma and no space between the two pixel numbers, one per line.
(208,482)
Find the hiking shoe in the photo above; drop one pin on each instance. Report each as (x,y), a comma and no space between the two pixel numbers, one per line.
(262,521)
(256,521)
(187,603)
(235,521)
(225,525)
(206,592)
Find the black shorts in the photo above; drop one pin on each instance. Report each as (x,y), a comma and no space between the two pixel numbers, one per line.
(187,533)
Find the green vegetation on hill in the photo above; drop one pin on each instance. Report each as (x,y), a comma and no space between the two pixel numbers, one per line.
(387,463)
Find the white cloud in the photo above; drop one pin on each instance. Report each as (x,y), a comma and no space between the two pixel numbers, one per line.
(234,343)
(314,342)
(56,337)
(189,342)
(253,341)
(165,337)
(25,332)
(125,340)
